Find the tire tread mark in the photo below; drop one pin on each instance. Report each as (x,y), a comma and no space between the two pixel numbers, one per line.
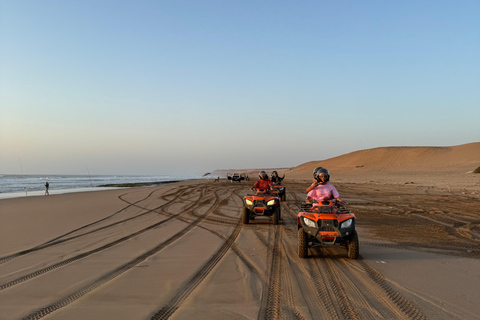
(168,310)
(406,306)
(346,306)
(377,296)
(452,250)
(323,292)
(273,309)
(317,290)
(235,249)
(111,275)
(81,256)
(287,290)
(58,240)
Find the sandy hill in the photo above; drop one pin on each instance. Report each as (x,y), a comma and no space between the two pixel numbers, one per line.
(397,160)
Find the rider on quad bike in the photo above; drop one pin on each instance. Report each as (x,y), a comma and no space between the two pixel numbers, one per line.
(277,188)
(324,219)
(276,178)
(321,189)
(262,203)
(264,183)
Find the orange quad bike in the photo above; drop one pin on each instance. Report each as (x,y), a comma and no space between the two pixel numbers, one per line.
(279,191)
(261,204)
(326,223)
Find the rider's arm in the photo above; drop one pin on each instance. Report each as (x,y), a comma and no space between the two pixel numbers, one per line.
(335,193)
(311,196)
(312,186)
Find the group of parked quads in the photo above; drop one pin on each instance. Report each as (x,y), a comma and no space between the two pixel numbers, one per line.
(326,223)
(237,177)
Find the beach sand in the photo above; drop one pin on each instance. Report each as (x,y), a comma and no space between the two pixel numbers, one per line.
(179,251)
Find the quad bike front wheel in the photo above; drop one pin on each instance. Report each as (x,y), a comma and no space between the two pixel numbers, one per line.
(302,243)
(276,216)
(353,248)
(246,216)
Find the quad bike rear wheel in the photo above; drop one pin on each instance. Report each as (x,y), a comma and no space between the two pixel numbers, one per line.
(353,247)
(246,216)
(284,196)
(302,243)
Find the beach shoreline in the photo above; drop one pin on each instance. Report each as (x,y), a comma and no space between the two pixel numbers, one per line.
(103,187)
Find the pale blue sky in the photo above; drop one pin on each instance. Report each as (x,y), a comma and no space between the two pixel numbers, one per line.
(186,87)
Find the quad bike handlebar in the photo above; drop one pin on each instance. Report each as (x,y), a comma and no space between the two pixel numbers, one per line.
(260,190)
(335,202)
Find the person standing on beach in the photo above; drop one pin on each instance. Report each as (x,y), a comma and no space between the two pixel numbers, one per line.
(47,185)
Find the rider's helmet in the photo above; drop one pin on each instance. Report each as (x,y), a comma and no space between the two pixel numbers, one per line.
(274,174)
(315,172)
(263,175)
(321,171)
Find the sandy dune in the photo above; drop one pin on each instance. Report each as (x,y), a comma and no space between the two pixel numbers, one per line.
(399,163)
(403,159)
(442,168)
(179,251)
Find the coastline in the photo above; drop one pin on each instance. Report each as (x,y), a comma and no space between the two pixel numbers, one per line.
(38,193)
(138,184)
(104,187)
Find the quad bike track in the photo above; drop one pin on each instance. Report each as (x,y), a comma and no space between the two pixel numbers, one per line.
(327,285)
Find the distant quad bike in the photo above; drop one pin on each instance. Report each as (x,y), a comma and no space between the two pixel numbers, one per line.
(235,177)
(326,223)
(279,191)
(261,204)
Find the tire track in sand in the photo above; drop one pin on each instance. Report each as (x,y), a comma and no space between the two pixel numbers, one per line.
(59,240)
(168,310)
(66,300)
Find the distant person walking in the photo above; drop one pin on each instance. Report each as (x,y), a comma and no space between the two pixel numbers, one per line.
(47,185)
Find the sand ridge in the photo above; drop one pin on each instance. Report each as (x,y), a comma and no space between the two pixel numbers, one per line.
(443,168)
(401,159)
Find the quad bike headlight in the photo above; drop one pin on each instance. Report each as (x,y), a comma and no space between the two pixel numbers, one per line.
(271,202)
(248,202)
(347,223)
(309,223)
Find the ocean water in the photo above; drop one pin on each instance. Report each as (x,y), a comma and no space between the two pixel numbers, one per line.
(30,185)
